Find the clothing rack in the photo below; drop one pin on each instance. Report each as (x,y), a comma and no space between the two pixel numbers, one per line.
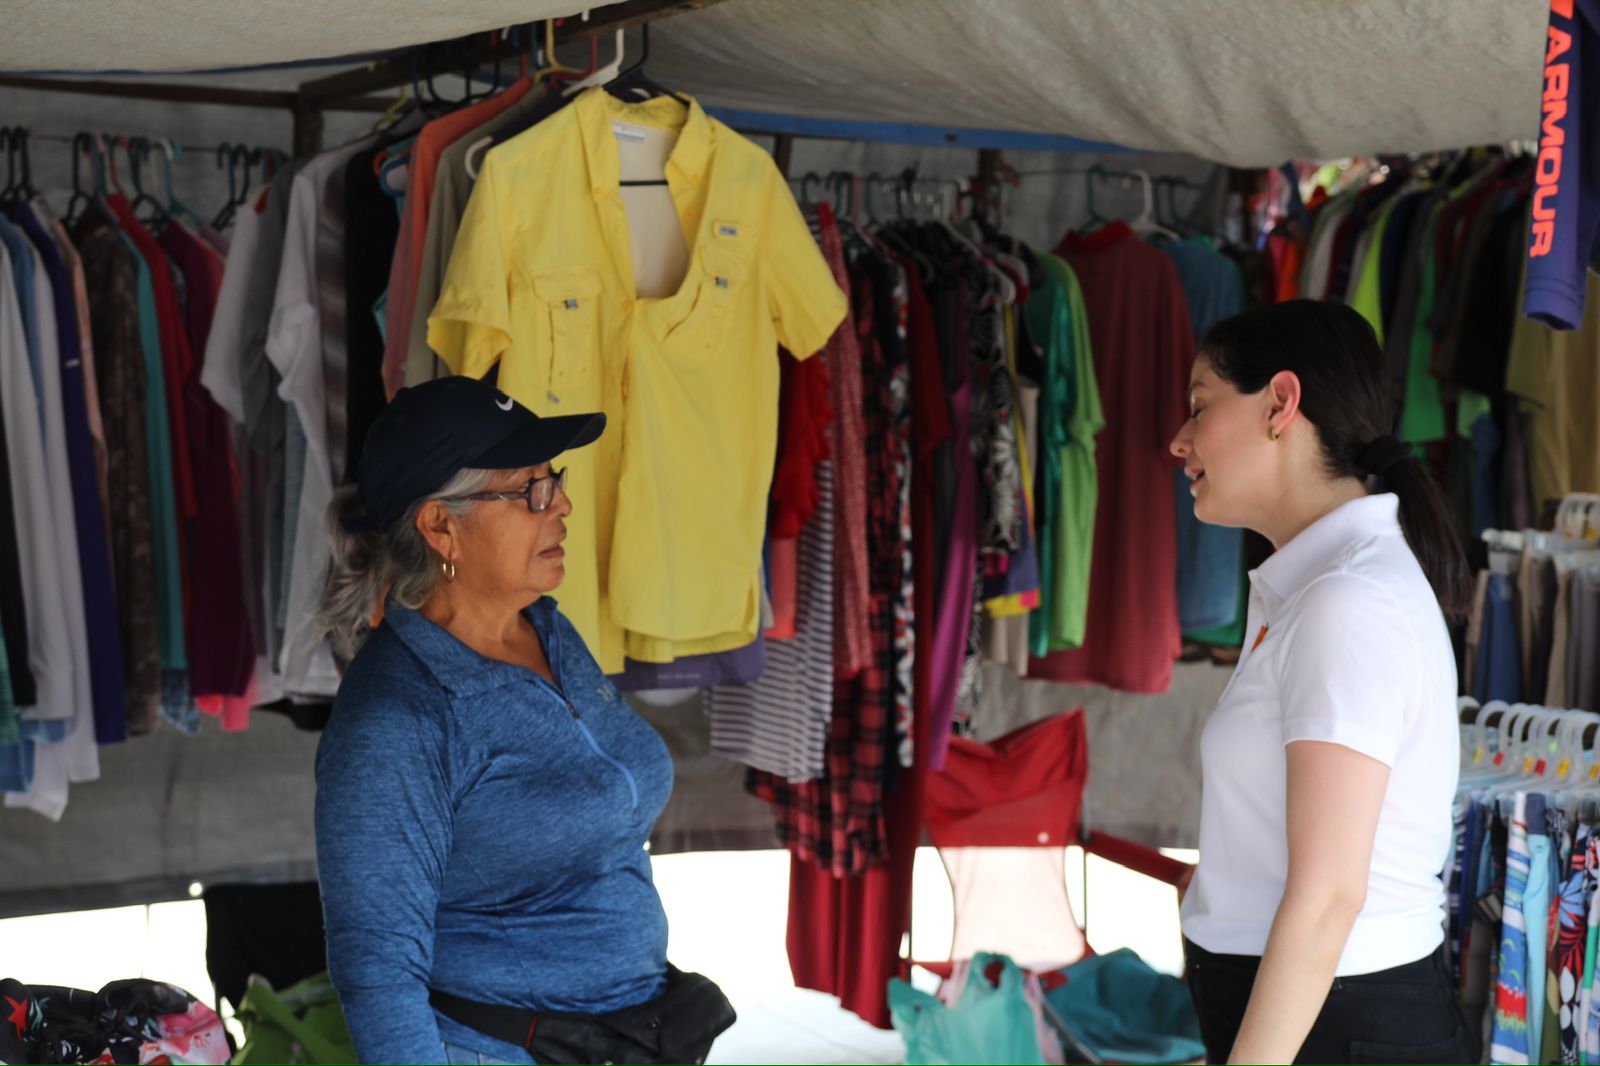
(353,90)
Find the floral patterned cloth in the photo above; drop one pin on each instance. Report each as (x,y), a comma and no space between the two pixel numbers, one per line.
(134,1021)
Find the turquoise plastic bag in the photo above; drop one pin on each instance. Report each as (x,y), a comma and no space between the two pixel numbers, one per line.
(989,1024)
(1117,1009)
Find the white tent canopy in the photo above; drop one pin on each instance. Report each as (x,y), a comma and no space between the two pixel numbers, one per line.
(1248,82)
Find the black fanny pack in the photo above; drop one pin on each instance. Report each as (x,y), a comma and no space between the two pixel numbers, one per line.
(677,1026)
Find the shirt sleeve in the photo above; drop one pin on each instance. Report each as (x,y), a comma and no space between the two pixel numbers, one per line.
(471,324)
(384,832)
(1348,672)
(802,296)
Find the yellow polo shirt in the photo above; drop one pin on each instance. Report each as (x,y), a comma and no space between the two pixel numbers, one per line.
(669,506)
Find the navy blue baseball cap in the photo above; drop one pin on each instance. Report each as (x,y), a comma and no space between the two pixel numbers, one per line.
(431,431)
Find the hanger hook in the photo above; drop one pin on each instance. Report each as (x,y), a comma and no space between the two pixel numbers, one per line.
(805,187)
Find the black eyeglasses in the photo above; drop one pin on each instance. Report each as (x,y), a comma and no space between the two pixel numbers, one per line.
(538,494)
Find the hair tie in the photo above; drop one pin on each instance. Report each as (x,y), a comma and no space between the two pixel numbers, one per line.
(1383,455)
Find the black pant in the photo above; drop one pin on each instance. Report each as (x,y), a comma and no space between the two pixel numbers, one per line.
(1407,1014)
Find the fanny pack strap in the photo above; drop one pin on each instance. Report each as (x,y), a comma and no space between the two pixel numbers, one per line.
(511,1024)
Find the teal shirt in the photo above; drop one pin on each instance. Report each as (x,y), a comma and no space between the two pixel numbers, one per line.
(163,487)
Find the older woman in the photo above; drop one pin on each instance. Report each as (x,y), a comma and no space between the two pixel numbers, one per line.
(483,794)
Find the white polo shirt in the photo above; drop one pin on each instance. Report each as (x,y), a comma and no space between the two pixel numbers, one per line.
(1355,652)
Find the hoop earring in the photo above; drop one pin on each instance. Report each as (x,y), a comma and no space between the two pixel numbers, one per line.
(1274,433)
(447,567)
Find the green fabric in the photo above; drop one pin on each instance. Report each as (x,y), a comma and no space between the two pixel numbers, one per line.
(1469,406)
(989,1023)
(8,707)
(1120,1009)
(301,1024)
(1047,323)
(163,487)
(1069,481)
(1422,415)
(1368,297)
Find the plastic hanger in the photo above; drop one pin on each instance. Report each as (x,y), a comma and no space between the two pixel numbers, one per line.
(1096,219)
(634,78)
(600,75)
(108,146)
(227,157)
(82,146)
(170,153)
(138,154)
(545,62)
(1146,223)
(394,112)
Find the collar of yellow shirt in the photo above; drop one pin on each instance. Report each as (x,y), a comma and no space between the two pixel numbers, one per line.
(596,110)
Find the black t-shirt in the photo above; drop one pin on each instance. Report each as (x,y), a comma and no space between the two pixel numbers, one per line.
(372,227)
(1489,310)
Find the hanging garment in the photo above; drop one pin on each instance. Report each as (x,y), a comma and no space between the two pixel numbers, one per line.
(422,170)
(371,229)
(221,644)
(1499,673)
(1566,212)
(1068,493)
(295,345)
(1143,349)
(164,502)
(110,272)
(72,756)
(1556,377)
(55,649)
(13,604)
(1511,1029)
(174,359)
(89,517)
(868,916)
(541,282)
(852,642)
(452,191)
(780,722)
(742,666)
(80,300)
(1208,556)
(881,309)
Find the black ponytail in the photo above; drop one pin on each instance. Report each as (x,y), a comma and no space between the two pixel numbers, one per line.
(1335,354)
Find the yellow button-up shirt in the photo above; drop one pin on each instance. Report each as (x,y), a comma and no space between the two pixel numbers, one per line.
(669,506)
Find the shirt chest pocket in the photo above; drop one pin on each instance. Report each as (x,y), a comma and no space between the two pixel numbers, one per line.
(567,307)
(720,281)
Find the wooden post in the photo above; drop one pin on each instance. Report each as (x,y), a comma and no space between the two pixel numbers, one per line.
(783,153)
(308,121)
(987,180)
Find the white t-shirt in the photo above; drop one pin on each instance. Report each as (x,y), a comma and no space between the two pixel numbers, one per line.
(222,373)
(76,757)
(1355,653)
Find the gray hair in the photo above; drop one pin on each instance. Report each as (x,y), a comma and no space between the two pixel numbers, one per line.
(394,563)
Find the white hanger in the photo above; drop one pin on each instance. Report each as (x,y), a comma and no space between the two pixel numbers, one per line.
(1146,222)
(601,74)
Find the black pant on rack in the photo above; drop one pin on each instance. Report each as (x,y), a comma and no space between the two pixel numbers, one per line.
(1405,1014)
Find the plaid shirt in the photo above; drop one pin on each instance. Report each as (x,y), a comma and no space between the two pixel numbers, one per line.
(837,821)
